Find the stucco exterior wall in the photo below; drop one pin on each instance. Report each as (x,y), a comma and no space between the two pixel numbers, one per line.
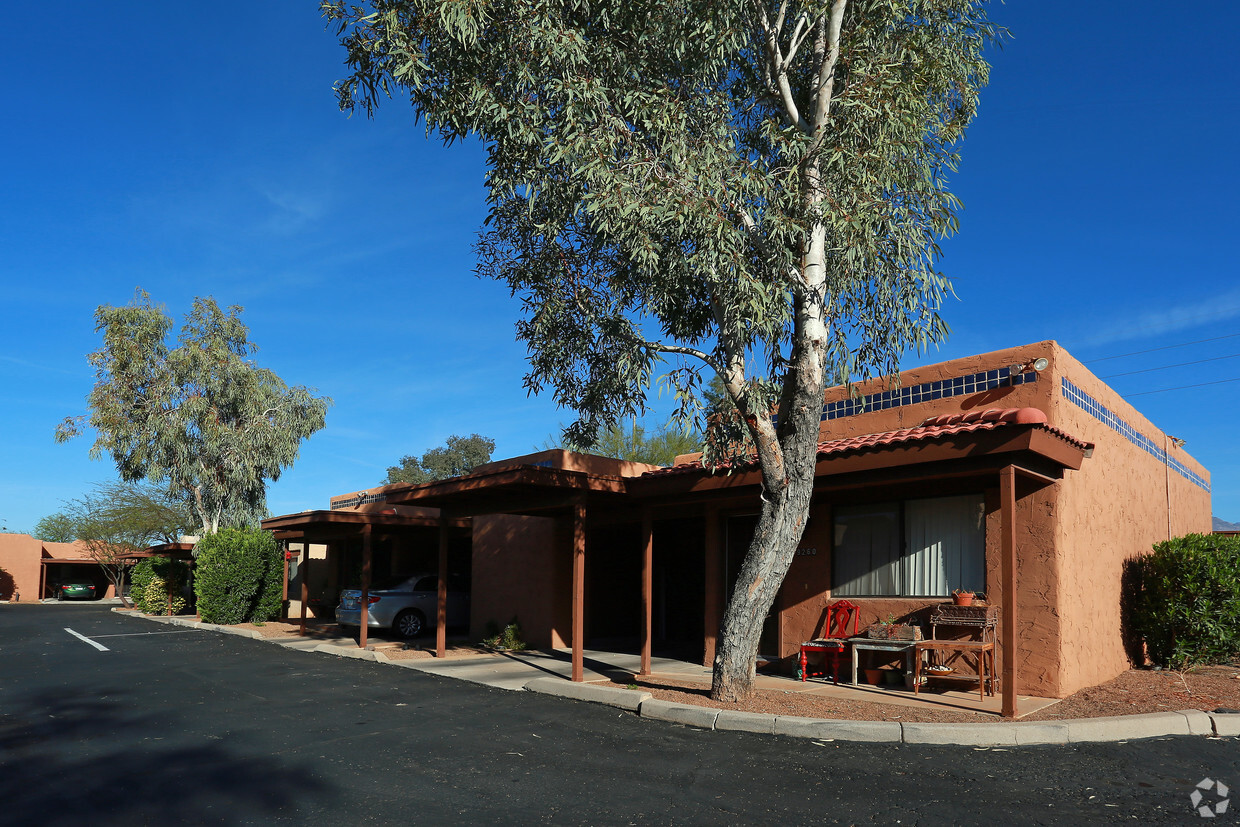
(518,573)
(1121,502)
(877,419)
(1073,536)
(19,566)
(571,461)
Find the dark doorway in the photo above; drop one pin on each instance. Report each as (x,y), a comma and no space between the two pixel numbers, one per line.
(740,531)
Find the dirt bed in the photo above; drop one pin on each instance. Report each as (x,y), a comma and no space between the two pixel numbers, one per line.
(1132,693)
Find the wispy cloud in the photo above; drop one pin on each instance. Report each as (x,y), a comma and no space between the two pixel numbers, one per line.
(293,211)
(26,363)
(1170,319)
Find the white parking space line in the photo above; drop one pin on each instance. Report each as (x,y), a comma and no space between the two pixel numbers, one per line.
(98,646)
(144,634)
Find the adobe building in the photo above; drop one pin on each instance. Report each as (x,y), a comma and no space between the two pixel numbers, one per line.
(31,568)
(1016,473)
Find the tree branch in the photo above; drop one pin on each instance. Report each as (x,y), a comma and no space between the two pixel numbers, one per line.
(825,87)
(777,69)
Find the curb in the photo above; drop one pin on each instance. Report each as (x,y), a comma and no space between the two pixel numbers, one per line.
(621,698)
(1015,733)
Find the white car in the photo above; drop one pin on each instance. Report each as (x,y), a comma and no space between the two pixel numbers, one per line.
(407,605)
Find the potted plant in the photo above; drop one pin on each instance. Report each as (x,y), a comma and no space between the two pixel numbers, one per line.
(891,629)
(963,597)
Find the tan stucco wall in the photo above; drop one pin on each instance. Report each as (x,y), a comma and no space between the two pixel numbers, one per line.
(321,573)
(19,560)
(1032,395)
(1072,537)
(517,572)
(572,461)
(1121,502)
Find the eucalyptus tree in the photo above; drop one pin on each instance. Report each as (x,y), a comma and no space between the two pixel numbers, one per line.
(198,417)
(752,190)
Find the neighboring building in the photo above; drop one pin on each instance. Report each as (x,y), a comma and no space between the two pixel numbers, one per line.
(31,567)
(915,486)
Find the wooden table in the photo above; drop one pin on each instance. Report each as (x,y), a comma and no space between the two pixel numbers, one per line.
(882,645)
(983,649)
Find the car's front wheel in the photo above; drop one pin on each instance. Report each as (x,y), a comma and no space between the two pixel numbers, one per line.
(409,624)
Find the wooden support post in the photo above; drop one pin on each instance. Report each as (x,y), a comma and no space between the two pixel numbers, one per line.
(42,583)
(284,585)
(1007,577)
(647,587)
(304,570)
(366,529)
(579,590)
(441,610)
(714,586)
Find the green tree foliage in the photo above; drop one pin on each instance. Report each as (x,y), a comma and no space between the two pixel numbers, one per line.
(746,189)
(116,519)
(199,417)
(56,528)
(636,444)
(460,456)
(1184,600)
(237,576)
(158,585)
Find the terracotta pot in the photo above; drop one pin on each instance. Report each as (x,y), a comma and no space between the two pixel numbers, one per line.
(962,599)
(874,676)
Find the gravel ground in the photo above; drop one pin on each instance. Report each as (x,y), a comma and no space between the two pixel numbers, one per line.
(1134,692)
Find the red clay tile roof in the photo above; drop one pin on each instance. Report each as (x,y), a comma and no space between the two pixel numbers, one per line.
(938,426)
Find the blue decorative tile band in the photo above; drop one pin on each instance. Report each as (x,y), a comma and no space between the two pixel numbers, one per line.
(1113,421)
(926,392)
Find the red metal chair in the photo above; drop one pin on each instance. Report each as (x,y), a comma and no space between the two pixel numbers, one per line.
(834,643)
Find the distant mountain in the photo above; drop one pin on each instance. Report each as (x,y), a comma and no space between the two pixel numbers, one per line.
(1223,525)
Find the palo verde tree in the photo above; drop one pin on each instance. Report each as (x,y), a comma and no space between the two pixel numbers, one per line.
(752,190)
(200,417)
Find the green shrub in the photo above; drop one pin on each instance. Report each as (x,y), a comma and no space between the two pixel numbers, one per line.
(238,576)
(157,584)
(140,577)
(509,639)
(1185,600)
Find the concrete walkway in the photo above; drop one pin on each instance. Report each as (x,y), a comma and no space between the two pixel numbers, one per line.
(548,672)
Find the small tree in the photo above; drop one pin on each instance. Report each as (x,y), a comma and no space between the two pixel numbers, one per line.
(115,520)
(237,577)
(459,456)
(200,417)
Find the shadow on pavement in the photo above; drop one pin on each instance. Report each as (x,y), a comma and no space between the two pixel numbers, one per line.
(63,760)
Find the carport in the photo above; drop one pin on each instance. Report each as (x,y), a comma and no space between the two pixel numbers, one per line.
(567,496)
(336,528)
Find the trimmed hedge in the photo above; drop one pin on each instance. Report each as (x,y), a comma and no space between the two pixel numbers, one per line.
(237,576)
(1185,600)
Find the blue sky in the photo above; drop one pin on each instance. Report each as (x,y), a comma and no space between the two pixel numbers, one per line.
(196,149)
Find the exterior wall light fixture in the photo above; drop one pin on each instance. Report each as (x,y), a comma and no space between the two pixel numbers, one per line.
(1040,364)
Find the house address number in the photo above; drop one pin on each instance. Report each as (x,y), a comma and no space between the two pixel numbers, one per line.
(807,551)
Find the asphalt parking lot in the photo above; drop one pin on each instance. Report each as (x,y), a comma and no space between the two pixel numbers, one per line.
(186,726)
